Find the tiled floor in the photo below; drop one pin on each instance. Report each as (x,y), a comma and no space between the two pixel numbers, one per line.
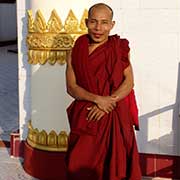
(11,168)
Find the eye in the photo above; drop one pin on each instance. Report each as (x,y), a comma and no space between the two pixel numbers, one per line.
(104,22)
(92,21)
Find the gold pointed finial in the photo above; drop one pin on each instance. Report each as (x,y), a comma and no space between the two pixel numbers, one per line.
(39,23)
(50,42)
(71,23)
(54,24)
(82,22)
(30,21)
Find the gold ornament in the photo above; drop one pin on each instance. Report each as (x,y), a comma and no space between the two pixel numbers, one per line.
(50,42)
(48,142)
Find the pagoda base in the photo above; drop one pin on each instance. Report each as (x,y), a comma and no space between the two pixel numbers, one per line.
(44,165)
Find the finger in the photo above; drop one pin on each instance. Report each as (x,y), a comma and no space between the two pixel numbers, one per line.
(97,113)
(91,114)
(96,116)
(115,97)
(89,108)
(110,108)
(100,116)
(114,105)
(106,110)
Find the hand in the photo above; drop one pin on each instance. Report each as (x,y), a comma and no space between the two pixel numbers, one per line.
(106,103)
(95,113)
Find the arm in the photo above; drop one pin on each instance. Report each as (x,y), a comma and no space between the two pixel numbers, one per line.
(106,103)
(127,85)
(124,89)
(73,88)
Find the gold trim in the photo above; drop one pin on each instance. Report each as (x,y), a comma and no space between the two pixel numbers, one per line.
(82,23)
(50,42)
(54,24)
(71,23)
(48,142)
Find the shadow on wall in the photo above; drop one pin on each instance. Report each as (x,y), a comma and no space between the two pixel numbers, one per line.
(161,144)
(26,68)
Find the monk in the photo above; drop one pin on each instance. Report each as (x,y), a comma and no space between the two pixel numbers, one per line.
(102,144)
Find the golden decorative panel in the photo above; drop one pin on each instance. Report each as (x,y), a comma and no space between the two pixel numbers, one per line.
(50,42)
(48,142)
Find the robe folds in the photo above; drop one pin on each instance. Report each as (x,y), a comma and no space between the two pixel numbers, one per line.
(105,149)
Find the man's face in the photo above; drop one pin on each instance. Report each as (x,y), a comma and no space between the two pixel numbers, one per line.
(99,24)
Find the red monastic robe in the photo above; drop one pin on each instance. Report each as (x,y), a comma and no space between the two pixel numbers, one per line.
(105,149)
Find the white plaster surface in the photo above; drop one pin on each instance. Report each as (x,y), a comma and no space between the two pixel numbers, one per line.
(153,30)
(49,98)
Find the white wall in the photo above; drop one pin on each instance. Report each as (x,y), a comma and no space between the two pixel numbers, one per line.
(8,22)
(153,29)
(24,68)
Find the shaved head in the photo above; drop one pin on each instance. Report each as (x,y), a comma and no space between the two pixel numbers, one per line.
(99,6)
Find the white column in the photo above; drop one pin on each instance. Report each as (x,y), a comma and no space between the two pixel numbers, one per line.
(48,88)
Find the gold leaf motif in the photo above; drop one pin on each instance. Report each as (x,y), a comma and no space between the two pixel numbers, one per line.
(35,137)
(50,43)
(39,23)
(54,24)
(32,57)
(52,138)
(48,142)
(71,23)
(61,57)
(30,21)
(82,22)
(42,137)
(62,139)
(42,58)
(52,57)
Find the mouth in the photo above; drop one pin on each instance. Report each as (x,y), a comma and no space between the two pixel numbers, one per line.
(97,35)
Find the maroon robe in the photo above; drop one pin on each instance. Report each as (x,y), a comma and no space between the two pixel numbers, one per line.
(105,149)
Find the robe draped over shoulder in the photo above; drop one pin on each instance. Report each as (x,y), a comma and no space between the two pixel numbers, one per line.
(105,149)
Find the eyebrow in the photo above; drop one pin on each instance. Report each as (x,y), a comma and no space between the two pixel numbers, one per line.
(99,20)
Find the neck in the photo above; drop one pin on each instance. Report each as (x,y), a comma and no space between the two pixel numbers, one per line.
(96,44)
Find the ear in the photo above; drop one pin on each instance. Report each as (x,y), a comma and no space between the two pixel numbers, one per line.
(86,22)
(113,23)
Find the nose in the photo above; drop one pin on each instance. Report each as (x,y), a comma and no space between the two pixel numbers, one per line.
(98,26)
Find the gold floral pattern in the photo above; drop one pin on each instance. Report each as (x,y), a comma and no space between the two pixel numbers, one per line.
(50,42)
